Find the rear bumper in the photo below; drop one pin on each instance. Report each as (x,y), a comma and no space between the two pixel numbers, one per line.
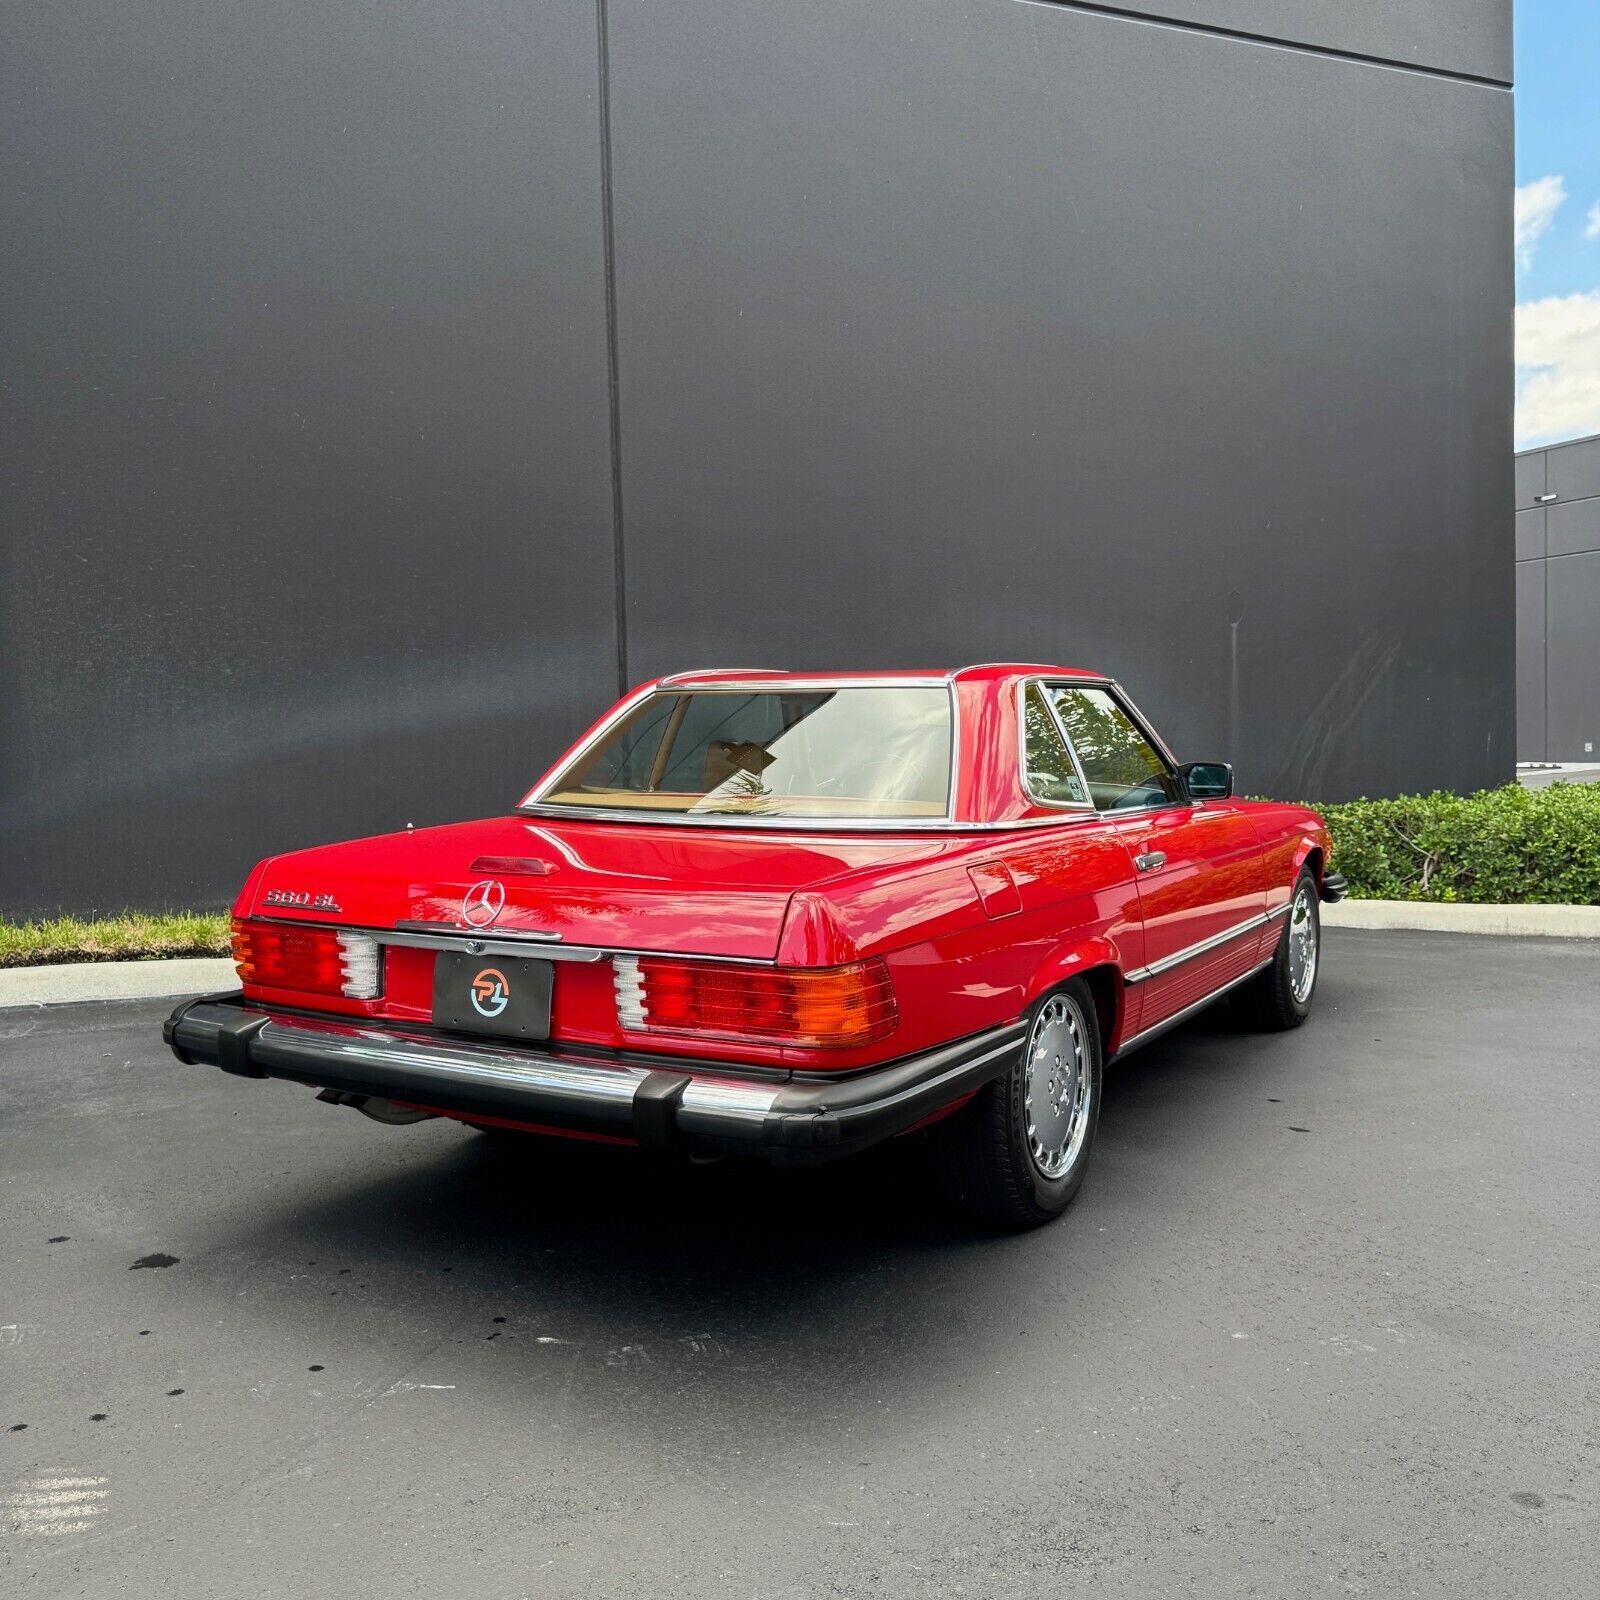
(656,1100)
(1334,887)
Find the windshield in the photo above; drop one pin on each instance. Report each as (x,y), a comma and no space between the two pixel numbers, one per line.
(852,754)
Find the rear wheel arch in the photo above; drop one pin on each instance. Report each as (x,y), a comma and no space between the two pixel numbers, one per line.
(1097,963)
(1105,985)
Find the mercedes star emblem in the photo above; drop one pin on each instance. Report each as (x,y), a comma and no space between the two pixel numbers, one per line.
(482,903)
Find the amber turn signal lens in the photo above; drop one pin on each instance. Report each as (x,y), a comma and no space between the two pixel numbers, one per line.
(813,1007)
(305,958)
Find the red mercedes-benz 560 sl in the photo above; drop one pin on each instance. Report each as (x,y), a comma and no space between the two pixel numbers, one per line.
(791,915)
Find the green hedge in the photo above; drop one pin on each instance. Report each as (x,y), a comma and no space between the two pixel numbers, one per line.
(1497,847)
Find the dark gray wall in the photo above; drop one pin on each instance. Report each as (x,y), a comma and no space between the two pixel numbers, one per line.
(1558,602)
(975,332)
(942,332)
(1469,38)
(307,512)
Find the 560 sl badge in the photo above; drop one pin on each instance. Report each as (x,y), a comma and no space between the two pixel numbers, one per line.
(301,899)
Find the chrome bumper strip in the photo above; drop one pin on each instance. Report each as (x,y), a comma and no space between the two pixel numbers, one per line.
(417,1065)
(735,1110)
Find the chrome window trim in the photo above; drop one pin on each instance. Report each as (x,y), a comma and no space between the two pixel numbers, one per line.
(794,681)
(703,673)
(1141,724)
(1072,807)
(534,802)
(602,728)
(1216,941)
(818,826)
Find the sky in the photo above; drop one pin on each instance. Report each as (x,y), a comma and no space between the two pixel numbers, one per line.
(1558,220)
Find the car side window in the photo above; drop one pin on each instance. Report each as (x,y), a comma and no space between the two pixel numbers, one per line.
(1125,771)
(1050,775)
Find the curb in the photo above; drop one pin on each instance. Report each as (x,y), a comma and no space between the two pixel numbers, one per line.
(1422,916)
(115,980)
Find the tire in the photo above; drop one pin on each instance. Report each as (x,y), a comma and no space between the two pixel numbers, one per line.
(1281,997)
(1014,1178)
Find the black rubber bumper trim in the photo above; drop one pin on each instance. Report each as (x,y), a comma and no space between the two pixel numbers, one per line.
(655,1108)
(809,1119)
(1334,887)
(169,1028)
(836,1118)
(233,1046)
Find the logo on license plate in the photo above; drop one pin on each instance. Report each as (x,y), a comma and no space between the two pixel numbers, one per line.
(491,994)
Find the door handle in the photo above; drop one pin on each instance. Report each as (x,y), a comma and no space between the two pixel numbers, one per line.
(1150,860)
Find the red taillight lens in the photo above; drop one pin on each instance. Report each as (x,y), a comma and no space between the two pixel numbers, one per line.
(271,955)
(820,1007)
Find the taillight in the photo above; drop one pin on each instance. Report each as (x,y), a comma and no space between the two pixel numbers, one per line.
(281,955)
(815,1007)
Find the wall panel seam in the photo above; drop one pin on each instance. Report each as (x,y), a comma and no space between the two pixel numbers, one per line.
(613,392)
(1245,36)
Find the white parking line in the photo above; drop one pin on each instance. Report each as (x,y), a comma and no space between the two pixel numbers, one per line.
(56,1503)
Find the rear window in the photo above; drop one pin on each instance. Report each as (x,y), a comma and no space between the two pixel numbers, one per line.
(856,754)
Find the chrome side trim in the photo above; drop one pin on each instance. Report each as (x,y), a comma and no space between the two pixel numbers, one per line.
(1189,952)
(1157,1029)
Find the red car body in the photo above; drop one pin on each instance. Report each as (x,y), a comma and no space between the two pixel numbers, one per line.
(971,916)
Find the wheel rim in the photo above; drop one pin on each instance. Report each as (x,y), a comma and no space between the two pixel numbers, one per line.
(1058,1085)
(1302,946)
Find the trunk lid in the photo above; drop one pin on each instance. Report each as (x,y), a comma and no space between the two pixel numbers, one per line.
(673,889)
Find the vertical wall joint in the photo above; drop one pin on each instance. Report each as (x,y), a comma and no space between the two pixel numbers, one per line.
(608,228)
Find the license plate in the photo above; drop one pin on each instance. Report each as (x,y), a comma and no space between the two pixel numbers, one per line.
(508,996)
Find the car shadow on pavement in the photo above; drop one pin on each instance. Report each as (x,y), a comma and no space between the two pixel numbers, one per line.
(620,1285)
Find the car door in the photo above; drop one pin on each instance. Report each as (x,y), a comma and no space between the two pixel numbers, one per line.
(1199,866)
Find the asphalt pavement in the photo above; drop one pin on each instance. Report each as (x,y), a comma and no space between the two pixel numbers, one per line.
(1324,1320)
(1541,777)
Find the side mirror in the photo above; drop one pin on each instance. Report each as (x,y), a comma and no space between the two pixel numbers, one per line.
(1207,780)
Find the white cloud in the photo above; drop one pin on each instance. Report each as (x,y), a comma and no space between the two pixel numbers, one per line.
(1591,229)
(1558,368)
(1534,210)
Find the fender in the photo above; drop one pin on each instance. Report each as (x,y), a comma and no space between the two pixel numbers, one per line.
(1309,842)
(1084,953)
